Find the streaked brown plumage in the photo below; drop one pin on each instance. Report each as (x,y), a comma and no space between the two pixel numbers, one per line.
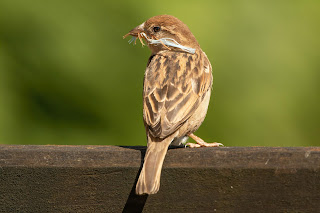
(176,94)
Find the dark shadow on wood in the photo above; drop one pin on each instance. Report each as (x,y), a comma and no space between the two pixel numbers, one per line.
(135,203)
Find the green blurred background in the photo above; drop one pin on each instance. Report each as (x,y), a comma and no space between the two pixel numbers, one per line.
(68,77)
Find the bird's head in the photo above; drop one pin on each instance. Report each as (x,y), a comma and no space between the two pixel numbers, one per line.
(161,32)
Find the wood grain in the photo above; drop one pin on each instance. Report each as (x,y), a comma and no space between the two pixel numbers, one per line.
(102,179)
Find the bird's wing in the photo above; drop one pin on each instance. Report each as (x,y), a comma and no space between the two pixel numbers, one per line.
(174,86)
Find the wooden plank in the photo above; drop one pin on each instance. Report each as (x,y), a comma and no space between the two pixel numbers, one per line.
(102,179)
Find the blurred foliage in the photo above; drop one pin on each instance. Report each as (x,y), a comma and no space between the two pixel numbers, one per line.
(68,77)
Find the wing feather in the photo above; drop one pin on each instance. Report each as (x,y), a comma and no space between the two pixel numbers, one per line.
(174,86)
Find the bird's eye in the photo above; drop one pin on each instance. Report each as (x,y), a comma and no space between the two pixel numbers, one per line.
(156,29)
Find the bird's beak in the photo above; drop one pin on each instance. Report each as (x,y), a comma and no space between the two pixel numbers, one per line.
(136,31)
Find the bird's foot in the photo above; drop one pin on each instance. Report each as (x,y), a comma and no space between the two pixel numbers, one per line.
(204,144)
(201,143)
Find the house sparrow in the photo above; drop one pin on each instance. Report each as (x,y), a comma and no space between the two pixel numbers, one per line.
(176,92)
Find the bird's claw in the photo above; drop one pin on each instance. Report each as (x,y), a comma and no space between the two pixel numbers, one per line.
(203,144)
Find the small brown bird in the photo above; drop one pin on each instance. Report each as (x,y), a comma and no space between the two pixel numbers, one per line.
(176,92)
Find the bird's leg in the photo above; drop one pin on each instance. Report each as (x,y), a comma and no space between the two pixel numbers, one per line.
(201,143)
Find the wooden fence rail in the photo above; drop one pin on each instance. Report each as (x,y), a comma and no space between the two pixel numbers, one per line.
(102,179)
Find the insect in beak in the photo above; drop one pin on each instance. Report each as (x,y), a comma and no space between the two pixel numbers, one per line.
(136,33)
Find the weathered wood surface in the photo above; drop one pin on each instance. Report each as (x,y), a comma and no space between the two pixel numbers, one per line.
(102,179)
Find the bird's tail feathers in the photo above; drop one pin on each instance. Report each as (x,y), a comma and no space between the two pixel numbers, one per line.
(149,179)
